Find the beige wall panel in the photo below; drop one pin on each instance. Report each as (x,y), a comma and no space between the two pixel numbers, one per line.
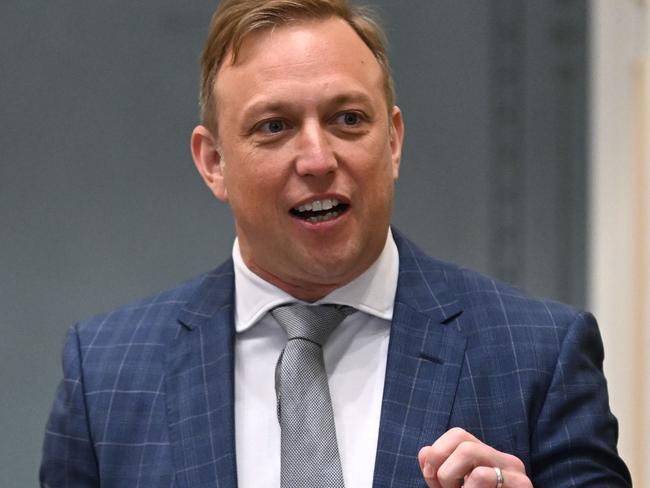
(620,101)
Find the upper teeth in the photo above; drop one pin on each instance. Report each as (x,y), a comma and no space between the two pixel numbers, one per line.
(316,205)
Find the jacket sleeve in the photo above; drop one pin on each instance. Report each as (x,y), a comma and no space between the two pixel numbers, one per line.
(68,455)
(574,440)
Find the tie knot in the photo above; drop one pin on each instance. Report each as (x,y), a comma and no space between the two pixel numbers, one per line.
(314,323)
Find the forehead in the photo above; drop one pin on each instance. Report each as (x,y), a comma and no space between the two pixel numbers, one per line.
(301,52)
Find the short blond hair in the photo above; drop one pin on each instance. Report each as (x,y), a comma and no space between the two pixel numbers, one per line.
(234,19)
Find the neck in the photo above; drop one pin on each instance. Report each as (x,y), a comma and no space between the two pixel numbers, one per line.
(311,292)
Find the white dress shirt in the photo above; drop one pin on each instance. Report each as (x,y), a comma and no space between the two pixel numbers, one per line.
(355,362)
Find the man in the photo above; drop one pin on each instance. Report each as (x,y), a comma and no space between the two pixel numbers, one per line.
(438,376)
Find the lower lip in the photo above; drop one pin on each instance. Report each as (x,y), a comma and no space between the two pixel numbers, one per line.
(323,225)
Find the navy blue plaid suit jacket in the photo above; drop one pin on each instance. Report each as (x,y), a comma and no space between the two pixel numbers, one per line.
(147,396)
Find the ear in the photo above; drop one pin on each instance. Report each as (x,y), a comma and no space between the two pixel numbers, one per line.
(208,161)
(396,139)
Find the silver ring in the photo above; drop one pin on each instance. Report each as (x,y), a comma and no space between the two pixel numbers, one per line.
(500,479)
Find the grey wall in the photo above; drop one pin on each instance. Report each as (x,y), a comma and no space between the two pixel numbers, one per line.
(100,204)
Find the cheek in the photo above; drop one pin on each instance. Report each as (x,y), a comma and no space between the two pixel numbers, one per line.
(378,171)
(255,195)
(247,173)
(377,181)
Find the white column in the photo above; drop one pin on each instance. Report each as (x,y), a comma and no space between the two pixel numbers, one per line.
(644,202)
(644,431)
(619,265)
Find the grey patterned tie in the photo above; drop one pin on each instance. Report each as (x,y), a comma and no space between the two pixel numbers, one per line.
(309,452)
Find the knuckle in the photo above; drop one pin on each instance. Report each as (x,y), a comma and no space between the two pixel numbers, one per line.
(432,456)
(457,432)
(435,456)
(481,476)
(466,448)
(515,463)
(444,474)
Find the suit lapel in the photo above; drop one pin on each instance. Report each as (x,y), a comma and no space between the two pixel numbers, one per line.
(199,386)
(424,362)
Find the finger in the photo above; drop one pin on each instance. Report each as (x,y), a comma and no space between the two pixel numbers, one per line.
(428,471)
(432,457)
(482,477)
(453,457)
(469,455)
(486,477)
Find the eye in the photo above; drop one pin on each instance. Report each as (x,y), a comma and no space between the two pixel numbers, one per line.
(273,126)
(349,119)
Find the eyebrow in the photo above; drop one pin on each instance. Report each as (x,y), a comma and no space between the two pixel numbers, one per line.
(264,105)
(351,97)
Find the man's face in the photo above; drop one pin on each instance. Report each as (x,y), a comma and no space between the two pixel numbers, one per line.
(307,155)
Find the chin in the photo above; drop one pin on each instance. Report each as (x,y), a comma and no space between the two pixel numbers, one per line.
(335,271)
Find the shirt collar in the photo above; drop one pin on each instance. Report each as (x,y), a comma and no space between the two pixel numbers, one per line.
(372,292)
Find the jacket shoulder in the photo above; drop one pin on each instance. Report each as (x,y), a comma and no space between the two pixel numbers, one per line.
(486,301)
(150,320)
(506,303)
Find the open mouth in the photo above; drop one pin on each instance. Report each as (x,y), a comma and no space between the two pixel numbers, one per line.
(320,210)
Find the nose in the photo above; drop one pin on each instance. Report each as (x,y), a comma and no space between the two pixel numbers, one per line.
(315,154)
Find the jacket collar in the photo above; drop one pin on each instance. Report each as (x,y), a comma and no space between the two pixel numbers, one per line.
(200,388)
